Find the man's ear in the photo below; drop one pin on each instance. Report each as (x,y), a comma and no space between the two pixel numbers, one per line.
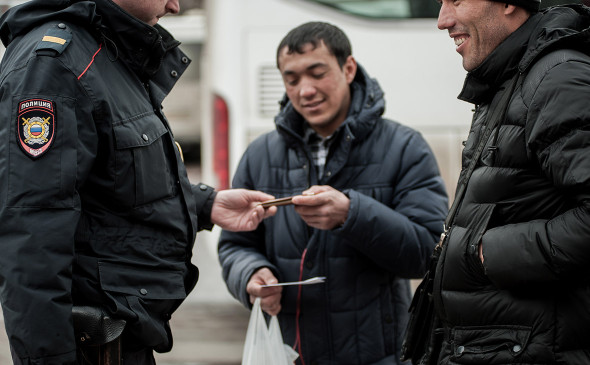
(349,69)
(509,9)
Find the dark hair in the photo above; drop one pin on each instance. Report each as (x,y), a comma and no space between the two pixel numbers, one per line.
(315,32)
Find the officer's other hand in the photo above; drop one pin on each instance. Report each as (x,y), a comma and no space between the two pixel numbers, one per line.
(240,210)
(270,297)
(322,207)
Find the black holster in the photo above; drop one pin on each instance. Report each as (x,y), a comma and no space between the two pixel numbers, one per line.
(98,336)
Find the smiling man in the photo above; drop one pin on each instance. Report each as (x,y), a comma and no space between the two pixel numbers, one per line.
(368,208)
(96,208)
(512,282)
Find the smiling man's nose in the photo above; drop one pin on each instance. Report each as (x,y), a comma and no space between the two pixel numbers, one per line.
(173,6)
(307,90)
(445,17)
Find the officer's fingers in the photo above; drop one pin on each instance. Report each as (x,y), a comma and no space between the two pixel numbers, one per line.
(262,213)
(257,216)
(270,211)
(257,196)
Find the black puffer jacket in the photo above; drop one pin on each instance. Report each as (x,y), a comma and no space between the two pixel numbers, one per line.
(528,202)
(102,213)
(397,206)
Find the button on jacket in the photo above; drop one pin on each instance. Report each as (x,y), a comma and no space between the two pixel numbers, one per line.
(95,204)
(397,208)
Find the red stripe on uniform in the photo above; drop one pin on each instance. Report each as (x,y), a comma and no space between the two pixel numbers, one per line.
(91,61)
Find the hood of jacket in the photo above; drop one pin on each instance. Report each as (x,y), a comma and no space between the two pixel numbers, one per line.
(136,43)
(553,28)
(366,107)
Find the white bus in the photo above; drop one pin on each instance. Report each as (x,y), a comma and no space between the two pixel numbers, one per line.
(397,41)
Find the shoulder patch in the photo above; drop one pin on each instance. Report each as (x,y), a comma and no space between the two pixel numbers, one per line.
(56,38)
(36,126)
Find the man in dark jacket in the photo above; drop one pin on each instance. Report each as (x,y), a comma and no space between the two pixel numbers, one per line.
(368,209)
(512,282)
(95,205)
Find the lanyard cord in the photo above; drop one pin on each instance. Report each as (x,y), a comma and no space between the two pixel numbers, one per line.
(297,345)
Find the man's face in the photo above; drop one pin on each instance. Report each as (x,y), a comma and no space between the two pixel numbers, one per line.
(477,26)
(149,11)
(317,86)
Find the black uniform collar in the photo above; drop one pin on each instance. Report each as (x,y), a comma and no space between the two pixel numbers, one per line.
(138,44)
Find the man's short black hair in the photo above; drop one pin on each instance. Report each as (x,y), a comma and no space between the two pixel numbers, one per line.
(316,32)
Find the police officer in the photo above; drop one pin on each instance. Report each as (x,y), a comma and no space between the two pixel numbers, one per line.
(95,204)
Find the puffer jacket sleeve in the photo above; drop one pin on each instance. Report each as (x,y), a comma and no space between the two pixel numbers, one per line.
(546,252)
(242,253)
(39,210)
(400,237)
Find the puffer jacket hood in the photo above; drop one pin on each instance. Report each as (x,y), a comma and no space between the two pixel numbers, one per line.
(366,107)
(557,27)
(140,45)
(19,20)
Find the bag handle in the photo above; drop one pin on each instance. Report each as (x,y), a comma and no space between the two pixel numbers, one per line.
(492,121)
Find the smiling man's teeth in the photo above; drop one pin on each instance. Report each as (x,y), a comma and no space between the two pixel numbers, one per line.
(459,41)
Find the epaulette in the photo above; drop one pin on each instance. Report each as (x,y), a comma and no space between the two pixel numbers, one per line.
(55,40)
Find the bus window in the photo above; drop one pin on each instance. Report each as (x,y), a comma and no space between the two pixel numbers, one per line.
(386,9)
(401,9)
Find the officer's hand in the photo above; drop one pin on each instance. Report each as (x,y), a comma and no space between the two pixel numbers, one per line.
(322,207)
(270,297)
(239,209)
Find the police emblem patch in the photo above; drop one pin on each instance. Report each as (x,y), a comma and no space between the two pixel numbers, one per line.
(36,126)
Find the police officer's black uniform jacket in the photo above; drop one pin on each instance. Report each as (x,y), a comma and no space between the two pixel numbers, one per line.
(95,203)
(528,202)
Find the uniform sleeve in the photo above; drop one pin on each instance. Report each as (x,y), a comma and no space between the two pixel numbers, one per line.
(204,198)
(550,251)
(242,253)
(400,237)
(42,147)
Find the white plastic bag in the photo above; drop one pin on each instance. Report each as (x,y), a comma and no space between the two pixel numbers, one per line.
(264,345)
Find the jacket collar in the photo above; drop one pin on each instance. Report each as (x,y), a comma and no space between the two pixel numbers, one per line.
(138,44)
(482,83)
(565,26)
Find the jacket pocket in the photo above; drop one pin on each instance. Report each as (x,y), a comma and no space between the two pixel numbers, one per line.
(141,167)
(489,345)
(477,229)
(144,297)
